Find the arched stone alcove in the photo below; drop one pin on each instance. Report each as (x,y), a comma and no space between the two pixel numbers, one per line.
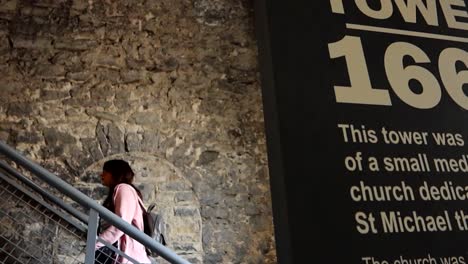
(162,183)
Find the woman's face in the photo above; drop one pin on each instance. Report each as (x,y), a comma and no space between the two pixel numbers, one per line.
(106,178)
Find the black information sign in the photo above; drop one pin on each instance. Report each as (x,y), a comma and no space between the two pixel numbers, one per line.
(366,111)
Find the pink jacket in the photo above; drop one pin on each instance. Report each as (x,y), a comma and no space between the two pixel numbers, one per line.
(126,204)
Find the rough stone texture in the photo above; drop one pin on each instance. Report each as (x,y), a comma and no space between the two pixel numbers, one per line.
(171,85)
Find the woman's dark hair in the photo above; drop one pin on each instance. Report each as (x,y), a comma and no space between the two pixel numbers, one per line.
(120,170)
(121,173)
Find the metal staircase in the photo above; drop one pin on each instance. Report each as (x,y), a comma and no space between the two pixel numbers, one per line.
(32,231)
(37,227)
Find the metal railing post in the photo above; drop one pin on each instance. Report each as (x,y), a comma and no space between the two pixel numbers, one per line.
(92,234)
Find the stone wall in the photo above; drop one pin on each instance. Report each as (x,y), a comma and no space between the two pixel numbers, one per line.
(170,85)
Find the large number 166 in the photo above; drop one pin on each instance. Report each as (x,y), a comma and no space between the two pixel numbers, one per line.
(399,76)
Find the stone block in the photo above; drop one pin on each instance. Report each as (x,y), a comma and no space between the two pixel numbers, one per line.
(76,159)
(40,21)
(8,6)
(241,250)
(23,42)
(260,223)
(49,3)
(246,61)
(4,136)
(78,102)
(80,5)
(20,109)
(207,157)
(132,142)
(138,64)
(211,13)
(160,79)
(47,95)
(194,260)
(110,139)
(170,64)
(183,197)
(23,27)
(252,209)
(28,137)
(150,141)
(12,88)
(108,74)
(145,119)
(147,190)
(115,136)
(103,115)
(53,136)
(108,61)
(209,197)
(91,147)
(101,93)
(85,34)
(101,134)
(50,151)
(6,17)
(214,212)
(185,247)
(79,92)
(227,236)
(81,76)
(91,177)
(214,258)
(185,212)
(76,45)
(176,186)
(40,11)
(124,97)
(49,71)
(131,76)
(4,43)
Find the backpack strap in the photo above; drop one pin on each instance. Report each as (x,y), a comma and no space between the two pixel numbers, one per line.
(142,205)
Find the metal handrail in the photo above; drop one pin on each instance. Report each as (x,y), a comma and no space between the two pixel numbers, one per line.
(87,202)
(11,182)
(77,214)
